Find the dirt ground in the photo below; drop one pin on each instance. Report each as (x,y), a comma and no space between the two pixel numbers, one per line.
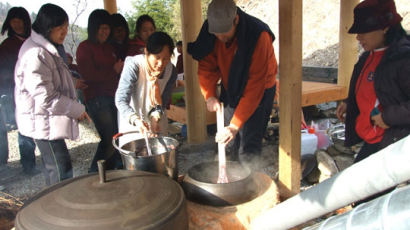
(9,207)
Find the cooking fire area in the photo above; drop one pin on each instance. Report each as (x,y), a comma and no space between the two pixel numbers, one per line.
(200,199)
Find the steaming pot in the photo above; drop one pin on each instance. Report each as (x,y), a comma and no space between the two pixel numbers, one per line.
(200,184)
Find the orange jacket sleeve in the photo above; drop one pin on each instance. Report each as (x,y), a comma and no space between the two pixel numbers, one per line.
(262,75)
(209,75)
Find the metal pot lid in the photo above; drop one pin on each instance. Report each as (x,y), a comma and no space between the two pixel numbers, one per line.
(127,200)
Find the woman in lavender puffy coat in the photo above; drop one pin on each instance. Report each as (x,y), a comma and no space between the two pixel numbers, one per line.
(46,104)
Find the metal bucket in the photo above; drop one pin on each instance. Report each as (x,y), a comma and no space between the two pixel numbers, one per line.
(135,156)
(337,134)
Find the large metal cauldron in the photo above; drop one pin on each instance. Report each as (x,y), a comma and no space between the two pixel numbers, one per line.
(200,184)
(135,155)
(127,200)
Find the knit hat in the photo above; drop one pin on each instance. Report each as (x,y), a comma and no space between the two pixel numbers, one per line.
(371,15)
(221,14)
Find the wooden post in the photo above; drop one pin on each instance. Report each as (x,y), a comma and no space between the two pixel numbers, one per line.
(191,18)
(110,6)
(290,58)
(348,46)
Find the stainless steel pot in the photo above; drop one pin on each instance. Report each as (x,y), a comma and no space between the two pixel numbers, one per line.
(135,156)
(200,184)
(337,134)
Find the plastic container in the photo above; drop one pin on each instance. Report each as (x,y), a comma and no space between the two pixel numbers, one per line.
(323,139)
(309,142)
(184,131)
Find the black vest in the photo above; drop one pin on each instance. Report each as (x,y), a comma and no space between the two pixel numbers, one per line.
(247,33)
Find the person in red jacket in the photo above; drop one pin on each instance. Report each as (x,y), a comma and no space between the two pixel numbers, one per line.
(120,35)
(18,27)
(100,69)
(377,109)
(180,65)
(236,48)
(144,27)
(180,59)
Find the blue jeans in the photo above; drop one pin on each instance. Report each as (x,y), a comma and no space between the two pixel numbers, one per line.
(27,155)
(8,108)
(26,147)
(103,112)
(4,149)
(56,160)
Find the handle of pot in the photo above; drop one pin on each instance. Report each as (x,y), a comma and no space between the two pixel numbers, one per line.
(114,141)
(335,128)
(339,126)
(115,138)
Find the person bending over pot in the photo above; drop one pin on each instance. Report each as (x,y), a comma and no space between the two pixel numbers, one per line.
(236,48)
(145,87)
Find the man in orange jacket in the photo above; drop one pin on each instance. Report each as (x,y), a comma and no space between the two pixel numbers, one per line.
(236,49)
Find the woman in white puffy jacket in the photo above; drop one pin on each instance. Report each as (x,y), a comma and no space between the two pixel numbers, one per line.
(46,104)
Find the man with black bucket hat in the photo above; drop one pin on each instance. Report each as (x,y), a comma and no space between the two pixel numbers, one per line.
(236,49)
(377,110)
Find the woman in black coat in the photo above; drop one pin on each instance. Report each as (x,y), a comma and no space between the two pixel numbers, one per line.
(377,110)
(17,25)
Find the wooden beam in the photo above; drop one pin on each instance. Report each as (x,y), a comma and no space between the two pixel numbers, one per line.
(314,93)
(290,58)
(348,46)
(178,113)
(191,22)
(110,6)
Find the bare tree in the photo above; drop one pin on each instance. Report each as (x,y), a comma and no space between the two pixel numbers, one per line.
(80,7)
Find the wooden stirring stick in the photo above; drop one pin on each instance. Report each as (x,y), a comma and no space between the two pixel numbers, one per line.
(222,177)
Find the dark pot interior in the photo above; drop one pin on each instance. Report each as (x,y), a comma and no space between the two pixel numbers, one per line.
(200,184)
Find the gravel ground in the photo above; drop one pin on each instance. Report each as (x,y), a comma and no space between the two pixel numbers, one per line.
(23,186)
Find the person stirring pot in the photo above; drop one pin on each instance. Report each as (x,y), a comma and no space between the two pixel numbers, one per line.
(146,85)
